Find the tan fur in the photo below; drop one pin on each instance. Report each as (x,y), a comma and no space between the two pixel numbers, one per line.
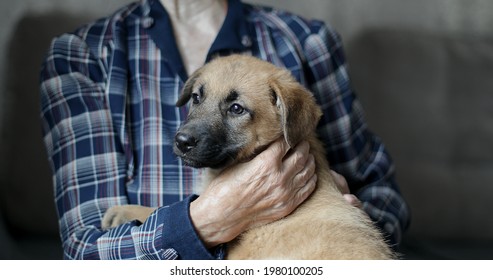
(325,226)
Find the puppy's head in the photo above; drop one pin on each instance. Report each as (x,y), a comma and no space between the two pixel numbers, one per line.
(238,106)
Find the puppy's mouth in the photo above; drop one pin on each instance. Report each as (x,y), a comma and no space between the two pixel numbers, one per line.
(218,157)
(214,157)
(188,161)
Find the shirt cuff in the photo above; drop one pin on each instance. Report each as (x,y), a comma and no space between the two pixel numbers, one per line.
(179,233)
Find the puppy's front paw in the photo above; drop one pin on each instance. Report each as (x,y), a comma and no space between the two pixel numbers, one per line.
(121,214)
(115,216)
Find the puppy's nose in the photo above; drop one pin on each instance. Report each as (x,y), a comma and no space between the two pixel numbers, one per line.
(185,142)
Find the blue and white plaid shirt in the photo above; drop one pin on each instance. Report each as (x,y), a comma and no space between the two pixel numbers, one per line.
(108,94)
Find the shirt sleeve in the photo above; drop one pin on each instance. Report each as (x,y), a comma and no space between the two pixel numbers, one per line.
(89,163)
(353,150)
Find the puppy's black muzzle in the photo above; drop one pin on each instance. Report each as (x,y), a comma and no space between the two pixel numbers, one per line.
(200,145)
(185,142)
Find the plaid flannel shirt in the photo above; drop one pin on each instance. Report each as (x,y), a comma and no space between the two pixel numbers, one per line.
(108,93)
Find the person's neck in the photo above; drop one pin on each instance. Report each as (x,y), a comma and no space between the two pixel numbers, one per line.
(185,11)
(195,23)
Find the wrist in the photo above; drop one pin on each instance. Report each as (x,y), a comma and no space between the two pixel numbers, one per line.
(213,229)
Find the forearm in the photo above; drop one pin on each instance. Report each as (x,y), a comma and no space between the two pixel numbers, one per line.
(167,234)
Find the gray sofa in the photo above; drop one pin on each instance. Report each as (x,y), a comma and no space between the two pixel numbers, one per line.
(428,96)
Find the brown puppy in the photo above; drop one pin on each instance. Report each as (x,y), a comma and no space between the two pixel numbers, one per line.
(240,105)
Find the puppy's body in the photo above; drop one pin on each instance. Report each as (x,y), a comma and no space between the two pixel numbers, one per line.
(325,226)
(239,106)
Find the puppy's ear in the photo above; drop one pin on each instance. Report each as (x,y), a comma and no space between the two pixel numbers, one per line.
(299,111)
(186,92)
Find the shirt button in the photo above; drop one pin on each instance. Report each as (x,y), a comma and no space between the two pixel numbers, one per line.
(147,22)
(246,41)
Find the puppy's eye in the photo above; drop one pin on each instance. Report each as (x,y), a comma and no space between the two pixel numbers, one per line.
(195,98)
(236,109)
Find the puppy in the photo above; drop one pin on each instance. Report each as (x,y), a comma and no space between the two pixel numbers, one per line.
(239,105)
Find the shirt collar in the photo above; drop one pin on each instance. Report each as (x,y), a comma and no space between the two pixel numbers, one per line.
(233,35)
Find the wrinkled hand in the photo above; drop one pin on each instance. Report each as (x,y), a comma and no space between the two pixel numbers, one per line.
(344,188)
(254,193)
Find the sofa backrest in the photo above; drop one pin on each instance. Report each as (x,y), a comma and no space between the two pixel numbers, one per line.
(430,97)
